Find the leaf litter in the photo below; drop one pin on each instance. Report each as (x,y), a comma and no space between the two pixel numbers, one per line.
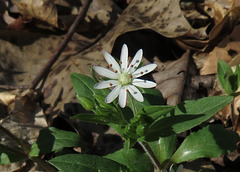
(169,34)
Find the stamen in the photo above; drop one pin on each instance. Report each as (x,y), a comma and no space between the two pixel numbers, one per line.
(129,58)
(127,90)
(141,72)
(137,61)
(131,66)
(115,71)
(110,65)
(110,84)
(120,62)
(130,76)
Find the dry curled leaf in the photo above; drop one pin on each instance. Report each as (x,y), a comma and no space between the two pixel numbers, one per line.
(171,77)
(44,10)
(225,18)
(226,50)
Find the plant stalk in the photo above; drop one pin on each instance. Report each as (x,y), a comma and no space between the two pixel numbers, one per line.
(145,145)
(151,155)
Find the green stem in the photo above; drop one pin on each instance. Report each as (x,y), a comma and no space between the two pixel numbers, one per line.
(151,155)
(145,145)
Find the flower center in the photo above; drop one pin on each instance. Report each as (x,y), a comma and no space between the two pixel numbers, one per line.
(125,79)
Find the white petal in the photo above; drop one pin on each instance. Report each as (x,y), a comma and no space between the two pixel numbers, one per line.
(124,57)
(113,94)
(135,93)
(122,99)
(105,72)
(111,61)
(144,70)
(106,84)
(136,61)
(143,83)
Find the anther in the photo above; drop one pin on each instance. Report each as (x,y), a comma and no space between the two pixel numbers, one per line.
(120,62)
(131,66)
(115,71)
(110,65)
(141,72)
(127,90)
(110,84)
(129,58)
(130,76)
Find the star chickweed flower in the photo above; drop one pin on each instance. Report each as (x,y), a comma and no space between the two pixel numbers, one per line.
(124,77)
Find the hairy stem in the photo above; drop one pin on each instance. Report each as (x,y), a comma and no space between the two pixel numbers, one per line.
(145,145)
(151,155)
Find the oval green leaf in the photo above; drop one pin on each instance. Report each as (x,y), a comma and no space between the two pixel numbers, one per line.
(186,115)
(85,163)
(211,141)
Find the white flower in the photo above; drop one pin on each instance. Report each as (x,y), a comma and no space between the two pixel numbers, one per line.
(124,77)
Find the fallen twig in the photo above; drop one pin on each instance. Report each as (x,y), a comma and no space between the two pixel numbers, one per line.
(14,87)
(46,69)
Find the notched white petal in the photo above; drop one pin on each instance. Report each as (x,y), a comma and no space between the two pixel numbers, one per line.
(135,93)
(144,70)
(124,57)
(111,61)
(106,84)
(122,99)
(136,61)
(143,83)
(105,72)
(113,94)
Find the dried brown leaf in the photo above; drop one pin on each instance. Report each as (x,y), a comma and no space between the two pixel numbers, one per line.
(225,18)
(44,10)
(171,77)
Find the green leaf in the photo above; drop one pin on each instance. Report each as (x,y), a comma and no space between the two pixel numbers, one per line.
(151,97)
(211,141)
(237,73)
(84,88)
(133,159)
(8,156)
(85,163)
(156,111)
(100,119)
(52,139)
(118,128)
(87,103)
(224,73)
(163,148)
(186,115)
